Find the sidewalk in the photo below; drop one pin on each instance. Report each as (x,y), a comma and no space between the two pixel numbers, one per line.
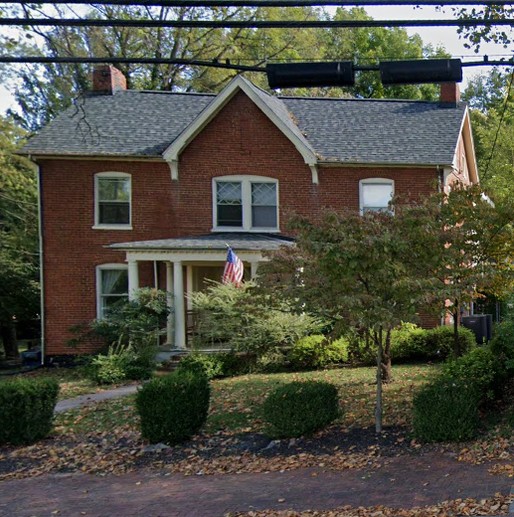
(401,482)
(90,398)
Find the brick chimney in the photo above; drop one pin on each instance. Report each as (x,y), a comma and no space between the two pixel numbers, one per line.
(107,79)
(450,93)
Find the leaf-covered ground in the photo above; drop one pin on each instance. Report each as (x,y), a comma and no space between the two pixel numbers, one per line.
(493,506)
(105,439)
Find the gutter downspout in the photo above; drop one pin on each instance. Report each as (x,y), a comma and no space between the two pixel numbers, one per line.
(37,168)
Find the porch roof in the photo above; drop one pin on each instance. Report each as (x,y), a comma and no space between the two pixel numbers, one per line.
(213,241)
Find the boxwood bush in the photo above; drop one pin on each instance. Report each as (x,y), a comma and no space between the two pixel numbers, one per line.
(173,408)
(26,409)
(300,408)
(446,410)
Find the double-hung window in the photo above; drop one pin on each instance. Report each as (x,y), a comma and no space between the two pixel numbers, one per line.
(375,194)
(111,287)
(113,196)
(248,203)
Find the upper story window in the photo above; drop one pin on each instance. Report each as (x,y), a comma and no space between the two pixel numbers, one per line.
(247,203)
(111,286)
(375,194)
(113,196)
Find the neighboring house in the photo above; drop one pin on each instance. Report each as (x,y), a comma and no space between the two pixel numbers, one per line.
(143,188)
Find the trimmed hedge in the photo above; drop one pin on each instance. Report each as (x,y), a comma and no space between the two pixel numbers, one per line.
(27,409)
(300,408)
(446,410)
(173,408)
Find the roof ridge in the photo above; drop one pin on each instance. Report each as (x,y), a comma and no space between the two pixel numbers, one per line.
(353,99)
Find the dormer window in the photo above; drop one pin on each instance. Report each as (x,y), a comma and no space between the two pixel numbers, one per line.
(375,194)
(113,193)
(248,203)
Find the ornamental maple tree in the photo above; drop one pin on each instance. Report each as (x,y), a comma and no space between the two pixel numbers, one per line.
(354,270)
(374,271)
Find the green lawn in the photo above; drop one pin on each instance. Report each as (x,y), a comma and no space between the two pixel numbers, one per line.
(236,401)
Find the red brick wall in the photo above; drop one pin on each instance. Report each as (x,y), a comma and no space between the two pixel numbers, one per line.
(240,140)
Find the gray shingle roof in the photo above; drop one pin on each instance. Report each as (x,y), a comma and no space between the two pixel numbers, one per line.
(214,241)
(144,124)
(129,123)
(379,131)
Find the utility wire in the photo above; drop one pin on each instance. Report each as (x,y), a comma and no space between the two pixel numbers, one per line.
(272,3)
(250,24)
(213,64)
(505,104)
(133,60)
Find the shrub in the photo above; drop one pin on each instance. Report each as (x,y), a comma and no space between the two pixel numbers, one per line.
(300,408)
(439,342)
(234,363)
(446,410)
(208,364)
(273,361)
(245,320)
(120,363)
(479,367)
(316,351)
(361,350)
(26,409)
(502,344)
(133,325)
(409,343)
(173,408)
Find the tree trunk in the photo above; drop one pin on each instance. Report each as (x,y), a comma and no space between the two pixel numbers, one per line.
(378,406)
(456,324)
(8,336)
(385,365)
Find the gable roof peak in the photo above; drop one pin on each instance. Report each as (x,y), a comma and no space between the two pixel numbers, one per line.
(271,106)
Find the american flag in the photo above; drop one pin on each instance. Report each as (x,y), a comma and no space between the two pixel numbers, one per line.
(234,269)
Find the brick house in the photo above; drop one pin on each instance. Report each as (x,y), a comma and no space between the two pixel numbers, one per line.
(145,188)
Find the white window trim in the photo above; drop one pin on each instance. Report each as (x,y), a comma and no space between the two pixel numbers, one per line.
(100,226)
(383,181)
(98,272)
(246,198)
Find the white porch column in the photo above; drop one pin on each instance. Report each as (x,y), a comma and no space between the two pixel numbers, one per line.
(253,269)
(133,278)
(169,303)
(189,286)
(178,298)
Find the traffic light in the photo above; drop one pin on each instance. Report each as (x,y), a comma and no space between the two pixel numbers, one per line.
(421,71)
(294,75)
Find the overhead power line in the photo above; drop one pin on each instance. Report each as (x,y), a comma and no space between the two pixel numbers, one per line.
(128,60)
(191,62)
(272,3)
(250,24)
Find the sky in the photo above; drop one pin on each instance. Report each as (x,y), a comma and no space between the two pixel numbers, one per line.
(446,36)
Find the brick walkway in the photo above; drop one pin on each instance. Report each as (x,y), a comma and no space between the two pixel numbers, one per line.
(402,482)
